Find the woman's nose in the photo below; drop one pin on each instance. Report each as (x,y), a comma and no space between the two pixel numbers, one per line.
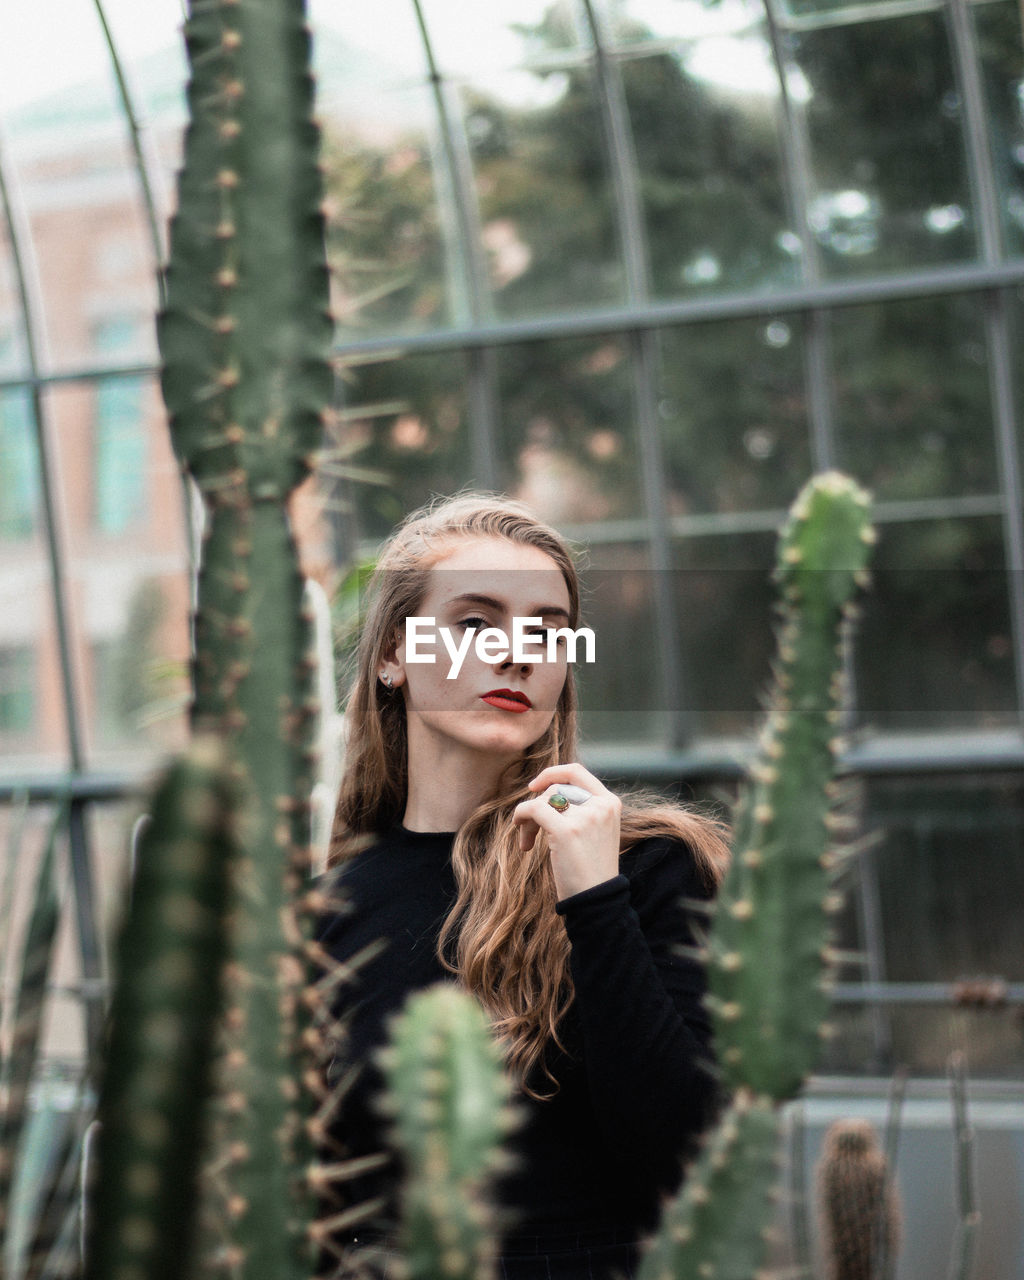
(509,661)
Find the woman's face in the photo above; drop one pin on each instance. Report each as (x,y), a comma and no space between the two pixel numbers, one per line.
(483,582)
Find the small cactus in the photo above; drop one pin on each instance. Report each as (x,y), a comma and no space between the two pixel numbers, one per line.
(858,1205)
(447,1095)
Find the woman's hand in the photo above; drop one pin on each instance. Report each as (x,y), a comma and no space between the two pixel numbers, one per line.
(584,840)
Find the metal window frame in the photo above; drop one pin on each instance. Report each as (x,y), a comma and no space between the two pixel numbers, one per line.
(477,335)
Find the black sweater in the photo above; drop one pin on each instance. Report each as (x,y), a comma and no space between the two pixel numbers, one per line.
(635,1088)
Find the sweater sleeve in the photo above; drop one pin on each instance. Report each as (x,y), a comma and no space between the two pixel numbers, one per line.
(646,1036)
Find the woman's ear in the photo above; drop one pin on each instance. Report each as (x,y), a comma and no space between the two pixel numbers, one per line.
(391,668)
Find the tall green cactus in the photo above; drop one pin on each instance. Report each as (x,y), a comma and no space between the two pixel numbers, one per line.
(245,339)
(768,954)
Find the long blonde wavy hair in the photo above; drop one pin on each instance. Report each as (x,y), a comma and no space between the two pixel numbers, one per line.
(509,946)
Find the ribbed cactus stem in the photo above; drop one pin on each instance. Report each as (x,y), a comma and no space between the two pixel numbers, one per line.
(245,339)
(717,1222)
(447,1095)
(859,1208)
(769,956)
(166,1002)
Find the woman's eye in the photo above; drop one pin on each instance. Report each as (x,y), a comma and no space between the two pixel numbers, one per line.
(474,624)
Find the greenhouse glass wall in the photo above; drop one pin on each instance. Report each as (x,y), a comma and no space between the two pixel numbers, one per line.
(646,265)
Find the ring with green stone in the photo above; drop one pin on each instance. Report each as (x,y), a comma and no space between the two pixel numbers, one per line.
(566,795)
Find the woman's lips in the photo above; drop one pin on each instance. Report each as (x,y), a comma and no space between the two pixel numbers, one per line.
(504,700)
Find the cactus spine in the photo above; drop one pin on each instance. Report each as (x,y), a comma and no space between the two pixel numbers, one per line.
(447,1094)
(768,951)
(245,338)
(165,1007)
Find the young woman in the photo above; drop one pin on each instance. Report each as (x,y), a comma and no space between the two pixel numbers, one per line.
(469,836)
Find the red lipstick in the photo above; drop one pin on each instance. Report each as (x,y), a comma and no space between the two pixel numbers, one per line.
(507,700)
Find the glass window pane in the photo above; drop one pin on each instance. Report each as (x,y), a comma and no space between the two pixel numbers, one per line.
(19,472)
(951,878)
(473,38)
(119,455)
(391,236)
(714,205)
(568,435)
(24,834)
(912,397)
(121,502)
(32,732)
(997,28)
(546,200)
(889,184)
(19,469)
(632,22)
(934,649)
(733,413)
(90,241)
(354,58)
(405,431)
(620,694)
(842,12)
(724,602)
(17,692)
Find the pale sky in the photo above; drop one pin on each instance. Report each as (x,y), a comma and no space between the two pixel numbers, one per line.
(46,45)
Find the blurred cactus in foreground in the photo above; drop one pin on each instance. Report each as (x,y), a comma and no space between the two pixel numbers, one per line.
(768,953)
(859,1208)
(245,341)
(157,1061)
(245,338)
(447,1096)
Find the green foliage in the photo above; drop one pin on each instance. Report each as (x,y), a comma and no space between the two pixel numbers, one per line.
(346,616)
(447,1093)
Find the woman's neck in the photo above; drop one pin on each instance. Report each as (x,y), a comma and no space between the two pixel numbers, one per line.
(443,792)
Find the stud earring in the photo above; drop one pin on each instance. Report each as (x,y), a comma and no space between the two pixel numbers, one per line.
(387,680)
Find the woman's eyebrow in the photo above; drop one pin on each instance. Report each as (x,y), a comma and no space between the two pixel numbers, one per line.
(537,610)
